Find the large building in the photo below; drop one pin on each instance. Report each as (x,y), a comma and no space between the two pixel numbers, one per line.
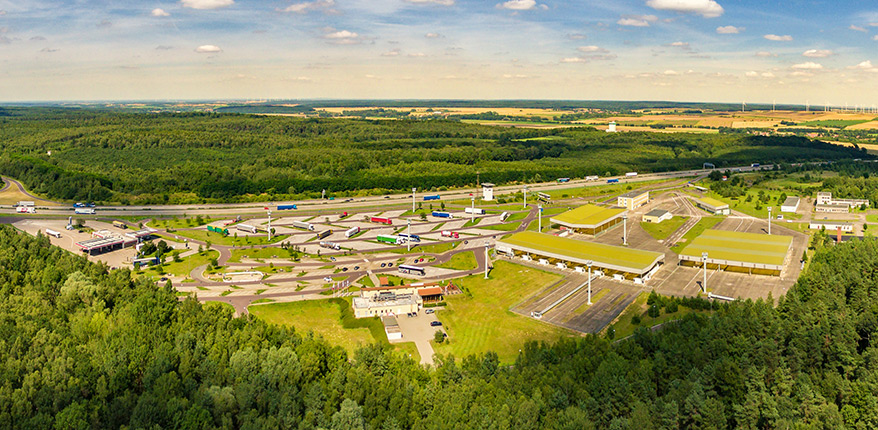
(731,250)
(834,208)
(487,191)
(713,206)
(825,198)
(629,263)
(831,226)
(395,300)
(791,205)
(633,199)
(590,219)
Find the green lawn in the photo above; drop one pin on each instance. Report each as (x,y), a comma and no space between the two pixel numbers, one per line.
(472,222)
(177,223)
(323,317)
(437,248)
(625,328)
(184,267)
(257,253)
(661,231)
(218,239)
(517,216)
(872,218)
(703,224)
(482,322)
(508,226)
(598,190)
(460,261)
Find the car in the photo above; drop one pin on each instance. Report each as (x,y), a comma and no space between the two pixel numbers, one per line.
(383,264)
(327,279)
(356,267)
(163,279)
(386,197)
(429,311)
(389,264)
(435,323)
(465,242)
(344,269)
(331,258)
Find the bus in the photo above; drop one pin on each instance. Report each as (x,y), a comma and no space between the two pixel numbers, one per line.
(503,216)
(544,197)
(411,270)
(53,233)
(120,224)
(412,237)
(323,234)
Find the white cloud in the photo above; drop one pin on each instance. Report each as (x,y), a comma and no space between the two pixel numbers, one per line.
(208,49)
(729,29)
(207,4)
(518,4)
(391,53)
(306,7)
(2,12)
(670,73)
(818,53)
(417,54)
(751,74)
(765,54)
(433,36)
(680,44)
(810,65)
(343,37)
(776,38)
(875,37)
(637,20)
(159,13)
(857,28)
(591,48)
(865,65)
(767,75)
(439,2)
(576,36)
(705,8)
(573,60)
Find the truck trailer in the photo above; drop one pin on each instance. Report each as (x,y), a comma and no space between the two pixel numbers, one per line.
(476,211)
(433,197)
(353,231)
(379,220)
(84,211)
(438,214)
(246,227)
(303,225)
(286,207)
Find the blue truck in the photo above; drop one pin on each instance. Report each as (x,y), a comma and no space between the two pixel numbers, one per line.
(612,181)
(442,214)
(285,207)
(435,197)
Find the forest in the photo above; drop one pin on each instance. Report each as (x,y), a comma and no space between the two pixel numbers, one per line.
(115,157)
(85,347)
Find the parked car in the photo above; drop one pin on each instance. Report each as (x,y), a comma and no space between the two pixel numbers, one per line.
(344,269)
(389,264)
(327,279)
(435,323)
(383,264)
(429,311)
(356,267)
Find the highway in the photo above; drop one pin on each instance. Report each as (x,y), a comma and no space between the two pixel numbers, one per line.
(46,207)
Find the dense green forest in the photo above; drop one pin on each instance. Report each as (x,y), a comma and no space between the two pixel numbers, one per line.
(81,347)
(109,156)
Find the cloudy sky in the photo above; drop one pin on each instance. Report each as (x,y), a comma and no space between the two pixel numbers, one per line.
(791,51)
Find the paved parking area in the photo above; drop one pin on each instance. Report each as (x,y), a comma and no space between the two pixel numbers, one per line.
(417,329)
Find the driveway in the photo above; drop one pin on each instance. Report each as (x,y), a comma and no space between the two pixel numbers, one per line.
(418,330)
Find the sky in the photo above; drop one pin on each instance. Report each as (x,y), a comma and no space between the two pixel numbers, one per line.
(753,51)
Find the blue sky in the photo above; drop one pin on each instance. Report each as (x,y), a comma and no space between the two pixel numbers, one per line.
(689,50)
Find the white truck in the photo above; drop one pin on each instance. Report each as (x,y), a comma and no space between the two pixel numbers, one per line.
(352,231)
(476,211)
(631,174)
(84,211)
(303,225)
(26,210)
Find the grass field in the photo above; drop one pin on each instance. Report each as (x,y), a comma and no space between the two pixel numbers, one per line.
(216,238)
(460,261)
(661,231)
(184,267)
(509,226)
(599,190)
(483,322)
(437,248)
(703,224)
(176,223)
(517,216)
(323,317)
(833,123)
(258,253)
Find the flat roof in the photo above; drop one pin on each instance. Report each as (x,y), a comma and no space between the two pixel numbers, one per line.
(791,201)
(606,256)
(635,193)
(712,202)
(739,249)
(587,216)
(657,212)
(432,291)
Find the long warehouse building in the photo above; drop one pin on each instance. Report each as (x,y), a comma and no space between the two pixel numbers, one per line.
(636,262)
(731,250)
(590,219)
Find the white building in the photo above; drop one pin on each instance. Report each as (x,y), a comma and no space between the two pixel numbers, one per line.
(487,191)
(791,204)
(657,216)
(612,127)
(825,198)
(831,226)
(633,199)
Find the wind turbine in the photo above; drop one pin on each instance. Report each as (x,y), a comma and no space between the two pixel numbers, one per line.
(742,106)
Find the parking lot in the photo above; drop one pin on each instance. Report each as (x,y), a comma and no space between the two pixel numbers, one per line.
(417,329)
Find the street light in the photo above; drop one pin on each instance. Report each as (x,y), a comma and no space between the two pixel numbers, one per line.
(487,262)
(414,190)
(589,262)
(525,198)
(625,229)
(409,242)
(704,262)
(540,217)
(769,220)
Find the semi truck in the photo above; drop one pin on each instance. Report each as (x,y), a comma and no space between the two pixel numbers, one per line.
(379,220)
(303,225)
(476,211)
(351,232)
(613,181)
(438,214)
(246,227)
(433,197)
(411,237)
(120,224)
(394,240)
(447,233)
(26,210)
(84,211)
(323,234)
(330,245)
(631,174)
(286,207)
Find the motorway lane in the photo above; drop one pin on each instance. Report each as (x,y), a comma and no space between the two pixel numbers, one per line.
(400,199)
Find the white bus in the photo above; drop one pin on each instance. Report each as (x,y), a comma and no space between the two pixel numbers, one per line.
(53,233)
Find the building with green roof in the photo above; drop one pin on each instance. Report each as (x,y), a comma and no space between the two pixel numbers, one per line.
(579,252)
(590,219)
(713,206)
(732,249)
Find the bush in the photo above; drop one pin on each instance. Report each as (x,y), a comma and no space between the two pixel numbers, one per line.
(671,307)
(439,336)
(654,311)
(635,320)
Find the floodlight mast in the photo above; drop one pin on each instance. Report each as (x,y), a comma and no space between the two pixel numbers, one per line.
(625,229)
(704,262)
(487,262)
(414,190)
(769,220)
(525,198)
(540,217)
(589,262)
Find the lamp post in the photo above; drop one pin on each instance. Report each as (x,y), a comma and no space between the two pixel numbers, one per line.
(769,220)
(525,198)
(414,190)
(472,214)
(625,229)
(589,262)
(409,242)
(487,262)
(540,217)
(269,226)
(704,262)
